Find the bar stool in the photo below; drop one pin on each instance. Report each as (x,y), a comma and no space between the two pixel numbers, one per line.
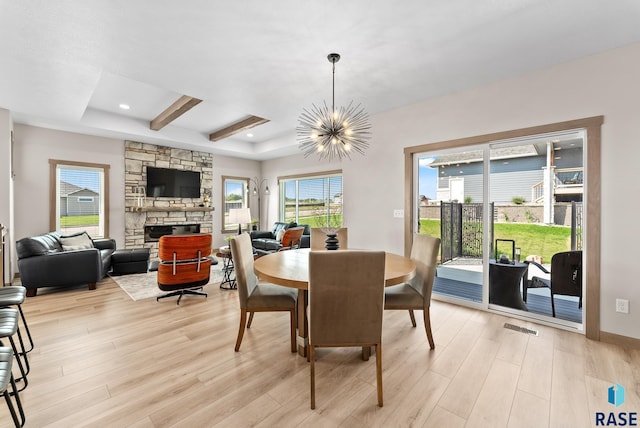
(6,378)
(14,295)
(8,328)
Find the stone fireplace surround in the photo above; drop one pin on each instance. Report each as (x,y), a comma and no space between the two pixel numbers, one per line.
(149,211)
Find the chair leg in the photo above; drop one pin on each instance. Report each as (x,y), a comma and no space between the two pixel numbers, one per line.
(313,375)
(26,327)
(427,326)
(250,319)
(181,293)
(413,317)
(379,372)
(243,320)
(553,306)
(16,422)
(293,329)
(18,356)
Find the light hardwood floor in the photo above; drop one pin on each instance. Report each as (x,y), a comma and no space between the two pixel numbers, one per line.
(103,360)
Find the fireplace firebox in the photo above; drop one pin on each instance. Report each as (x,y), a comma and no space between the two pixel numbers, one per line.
(153,233)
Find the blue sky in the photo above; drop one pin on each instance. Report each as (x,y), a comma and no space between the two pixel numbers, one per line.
(427,177)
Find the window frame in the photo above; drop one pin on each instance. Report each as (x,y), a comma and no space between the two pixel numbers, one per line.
(53,187)
(246,202)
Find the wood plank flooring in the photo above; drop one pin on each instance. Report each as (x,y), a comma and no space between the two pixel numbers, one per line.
(103,360)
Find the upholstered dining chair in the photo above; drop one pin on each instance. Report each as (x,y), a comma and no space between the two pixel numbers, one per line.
(184,265)
(318,236)
(346,301)
(258,297)
(416,294)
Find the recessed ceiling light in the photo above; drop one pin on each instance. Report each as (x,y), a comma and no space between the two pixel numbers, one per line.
(249,135)
(124,106)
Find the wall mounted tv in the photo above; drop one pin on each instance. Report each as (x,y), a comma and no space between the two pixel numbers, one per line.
(172,183)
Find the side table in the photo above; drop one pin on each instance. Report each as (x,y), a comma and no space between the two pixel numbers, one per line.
(228,273)
(504,284)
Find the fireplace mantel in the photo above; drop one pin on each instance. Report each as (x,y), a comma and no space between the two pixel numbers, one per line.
(172,209)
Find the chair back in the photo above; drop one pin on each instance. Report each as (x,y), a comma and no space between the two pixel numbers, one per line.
(346,297)
(184,260)
(246,279)
(566,273)
(424,252)
(291,237)
(318,236)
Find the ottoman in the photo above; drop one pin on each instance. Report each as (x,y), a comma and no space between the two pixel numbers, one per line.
(130,261)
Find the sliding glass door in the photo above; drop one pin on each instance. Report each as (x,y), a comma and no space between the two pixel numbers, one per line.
(509,213)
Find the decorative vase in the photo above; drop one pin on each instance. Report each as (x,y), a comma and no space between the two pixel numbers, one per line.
(331,243)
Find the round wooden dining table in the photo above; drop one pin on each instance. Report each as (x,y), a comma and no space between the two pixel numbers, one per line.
(291,269)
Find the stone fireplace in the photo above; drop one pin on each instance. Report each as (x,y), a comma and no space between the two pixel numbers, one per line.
(160,214)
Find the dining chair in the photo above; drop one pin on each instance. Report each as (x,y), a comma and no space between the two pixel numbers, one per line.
(184,264)
(416,294)
(346,304)
(257,296)
(318,236)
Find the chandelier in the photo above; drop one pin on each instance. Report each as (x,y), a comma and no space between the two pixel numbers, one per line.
(336,132)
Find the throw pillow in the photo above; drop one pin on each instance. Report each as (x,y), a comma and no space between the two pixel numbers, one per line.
(80,241)
(279,235)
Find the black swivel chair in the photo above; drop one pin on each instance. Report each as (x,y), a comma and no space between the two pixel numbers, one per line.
(566,277)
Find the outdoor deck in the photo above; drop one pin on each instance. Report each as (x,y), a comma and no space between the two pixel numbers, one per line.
(452,284)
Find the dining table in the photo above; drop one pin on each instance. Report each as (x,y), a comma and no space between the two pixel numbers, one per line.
(290,268)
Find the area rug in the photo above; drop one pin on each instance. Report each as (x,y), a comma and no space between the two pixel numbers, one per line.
(142,286)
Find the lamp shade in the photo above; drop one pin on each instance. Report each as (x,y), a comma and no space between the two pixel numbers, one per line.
(239,216)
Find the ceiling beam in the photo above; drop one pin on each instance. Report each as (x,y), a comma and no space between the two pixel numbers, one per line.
(174,111)
(239,126)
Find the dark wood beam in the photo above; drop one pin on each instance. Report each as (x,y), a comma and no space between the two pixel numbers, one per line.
(234,128)
(174,111)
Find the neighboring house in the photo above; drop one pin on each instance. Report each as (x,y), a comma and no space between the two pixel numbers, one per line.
(515,172)
(75,200)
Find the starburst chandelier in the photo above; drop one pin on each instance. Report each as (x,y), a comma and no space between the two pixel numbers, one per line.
(336,132)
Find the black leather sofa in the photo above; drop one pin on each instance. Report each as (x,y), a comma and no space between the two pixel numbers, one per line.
(265,240)
(43,262)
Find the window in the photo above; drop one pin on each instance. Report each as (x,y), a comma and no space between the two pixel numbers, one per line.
(315,199)
(234,195)
(79,197)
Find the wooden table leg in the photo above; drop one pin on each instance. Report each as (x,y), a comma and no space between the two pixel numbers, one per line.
(303,326)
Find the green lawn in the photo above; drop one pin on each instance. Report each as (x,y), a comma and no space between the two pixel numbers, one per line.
(535,239)
(79,220)
(320,220)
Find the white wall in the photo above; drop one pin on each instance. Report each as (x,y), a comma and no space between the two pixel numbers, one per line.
(605,84)
(33,149)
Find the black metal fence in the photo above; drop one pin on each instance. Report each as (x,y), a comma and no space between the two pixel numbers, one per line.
(461,230)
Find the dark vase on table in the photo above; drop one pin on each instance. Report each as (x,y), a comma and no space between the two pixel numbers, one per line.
(331,243)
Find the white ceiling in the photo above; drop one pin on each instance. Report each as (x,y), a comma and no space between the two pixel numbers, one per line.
(69,64)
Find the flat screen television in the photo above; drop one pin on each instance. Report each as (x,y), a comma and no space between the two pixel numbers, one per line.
(172,183)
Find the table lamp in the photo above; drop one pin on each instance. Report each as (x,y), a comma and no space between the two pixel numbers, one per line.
(239,216)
